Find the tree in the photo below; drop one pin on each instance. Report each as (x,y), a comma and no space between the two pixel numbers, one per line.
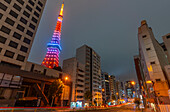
(137,102)
(55,90)
(88,95)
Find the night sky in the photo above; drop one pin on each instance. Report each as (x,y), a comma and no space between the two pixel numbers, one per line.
(110,27)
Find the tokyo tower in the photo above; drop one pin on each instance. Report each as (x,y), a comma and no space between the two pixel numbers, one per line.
(51,59)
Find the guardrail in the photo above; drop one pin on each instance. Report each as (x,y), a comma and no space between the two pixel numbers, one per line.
(164,108)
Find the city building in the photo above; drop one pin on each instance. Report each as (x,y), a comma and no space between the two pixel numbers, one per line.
(112,82)
(166,39)
(130,89)
(122,90)
(152,62)
(77,76)
(51,59)
(19,20)
(118,90)
(106,96)
(16,83)
(87,56)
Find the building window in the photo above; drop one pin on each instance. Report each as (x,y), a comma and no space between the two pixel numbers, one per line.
(23,20)
(32,68)
(144,36)
(5,30)
(1,15)
(21,2)
(9,21)
(40,3)
(157,80)
(80,91)
(26,14)
(31,2)
(2,39)
(79,96)
(17,35)
(17,7)
(3,7)
(34,20)
(36,14)
(148,49)
(26,40)
(29,33)
(24,49)
(20,58)
(13,44)
(78,85)
(153,62)
(21,28)
(168,36)
(29,8)
(80,80)
(12,13)
(9,54)
(32,26)
(38,8)
(8,1)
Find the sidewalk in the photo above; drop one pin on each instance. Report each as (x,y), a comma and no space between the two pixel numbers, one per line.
(132,108)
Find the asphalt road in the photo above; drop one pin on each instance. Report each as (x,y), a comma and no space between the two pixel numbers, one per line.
(124,108)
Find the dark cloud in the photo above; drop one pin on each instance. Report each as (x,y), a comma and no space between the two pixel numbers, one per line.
(108,26)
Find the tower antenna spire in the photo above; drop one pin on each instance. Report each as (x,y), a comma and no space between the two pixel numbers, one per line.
(51,59)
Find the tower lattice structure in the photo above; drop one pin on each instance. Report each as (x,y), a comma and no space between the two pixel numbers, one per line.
(51,59)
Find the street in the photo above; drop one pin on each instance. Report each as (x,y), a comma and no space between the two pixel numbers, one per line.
(119,108)
(124,108)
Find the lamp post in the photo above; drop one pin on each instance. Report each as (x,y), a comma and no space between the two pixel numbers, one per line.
(66,78)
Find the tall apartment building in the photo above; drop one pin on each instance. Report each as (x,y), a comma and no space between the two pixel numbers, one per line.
(130,89)
(166,39)
(76,73)
(112,82)
(106,96)
(19,20)
(153,60)
(87,56)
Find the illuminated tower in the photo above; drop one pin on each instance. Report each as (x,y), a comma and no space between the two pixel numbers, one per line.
(52,57)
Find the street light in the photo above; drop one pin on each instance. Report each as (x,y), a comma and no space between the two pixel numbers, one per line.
(66,78)
(149,82)
(102,90)
(133,82)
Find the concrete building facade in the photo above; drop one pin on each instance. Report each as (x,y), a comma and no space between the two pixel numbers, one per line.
(153,60)
(106,95)
(87,56)
(19,20)
(112,82)
(77,75)
(166,39)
